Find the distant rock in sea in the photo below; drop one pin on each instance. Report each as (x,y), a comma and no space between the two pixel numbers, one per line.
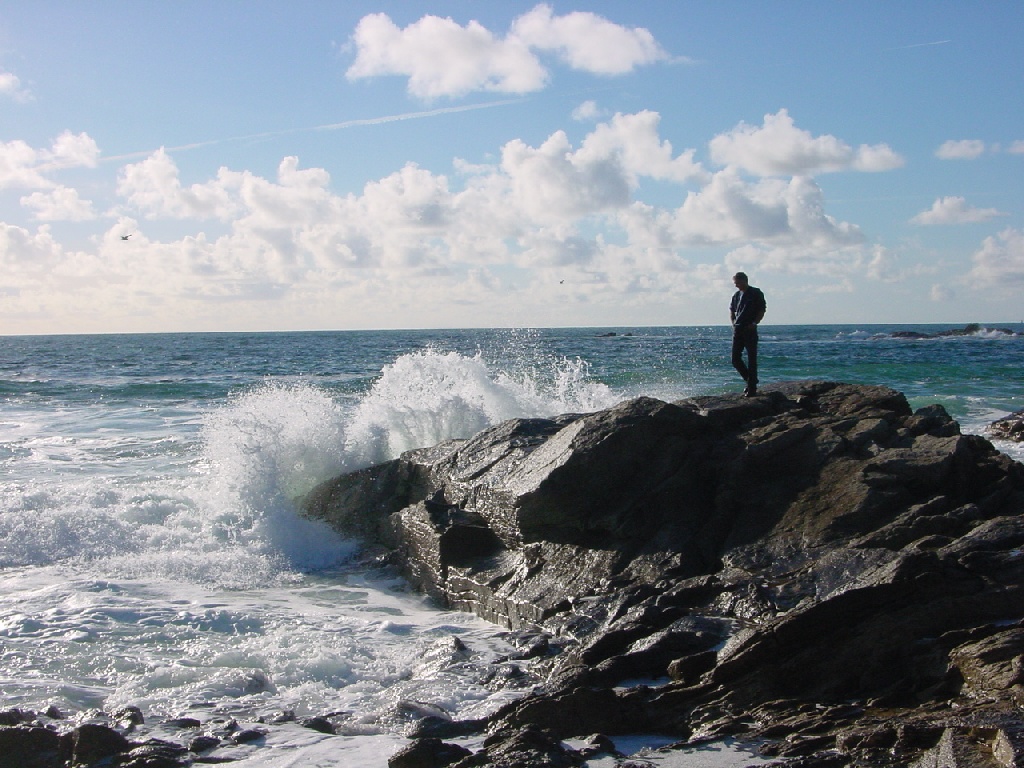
(818,569)
(971,329)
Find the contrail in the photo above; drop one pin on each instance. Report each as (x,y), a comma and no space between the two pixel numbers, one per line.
(918,45)
(413,115)
(329,127)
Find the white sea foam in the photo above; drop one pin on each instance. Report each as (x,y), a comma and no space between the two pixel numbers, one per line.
(164,564)
(318,647)
(426,397)
(221,510)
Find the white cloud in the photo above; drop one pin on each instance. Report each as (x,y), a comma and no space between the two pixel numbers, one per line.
(588,42)
(19,167)
(876,158)
(551,182)
(730,210)
(941,294)
(23,167)
(779,148)
(528,211)
(999,263)
(154,188)
(59,204)
(71,150)
(954,210)
(556,184)
(966,149)
(10,85)
(635,142)
(548,223)
(443,58)
(1016,148)
(26,253)
(586,111)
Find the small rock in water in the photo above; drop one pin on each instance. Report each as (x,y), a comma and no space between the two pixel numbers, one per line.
(248,735)
(444,653)
(321,724)
(428,753)
(202,743)
(154,754)
(92,743)
(1009,427)
(127,716)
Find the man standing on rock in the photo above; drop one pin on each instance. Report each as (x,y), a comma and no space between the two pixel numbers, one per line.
(746,310)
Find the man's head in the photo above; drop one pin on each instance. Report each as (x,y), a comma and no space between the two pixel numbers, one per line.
(740,280)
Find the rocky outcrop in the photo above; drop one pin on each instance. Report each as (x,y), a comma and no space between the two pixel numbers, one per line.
(1009,427)
(818,567)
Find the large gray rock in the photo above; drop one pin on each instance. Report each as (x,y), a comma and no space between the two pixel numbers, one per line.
(817,545)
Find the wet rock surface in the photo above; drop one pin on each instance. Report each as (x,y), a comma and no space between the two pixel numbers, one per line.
(1009,427)
(817,568)
(53,739)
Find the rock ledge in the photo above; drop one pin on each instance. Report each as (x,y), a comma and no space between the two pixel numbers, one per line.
(818,567)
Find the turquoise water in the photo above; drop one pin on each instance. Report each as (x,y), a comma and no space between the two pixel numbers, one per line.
(150,549)
(202,369)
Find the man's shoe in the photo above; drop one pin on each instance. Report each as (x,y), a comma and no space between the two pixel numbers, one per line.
(750,391)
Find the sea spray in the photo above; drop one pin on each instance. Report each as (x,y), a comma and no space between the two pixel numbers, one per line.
(426,397)
(263,450)
(230,519)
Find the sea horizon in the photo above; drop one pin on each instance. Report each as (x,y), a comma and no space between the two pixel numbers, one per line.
(442,329)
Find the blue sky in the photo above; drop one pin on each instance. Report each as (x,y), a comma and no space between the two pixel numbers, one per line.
(195,166)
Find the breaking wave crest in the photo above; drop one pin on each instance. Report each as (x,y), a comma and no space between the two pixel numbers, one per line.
(230,516)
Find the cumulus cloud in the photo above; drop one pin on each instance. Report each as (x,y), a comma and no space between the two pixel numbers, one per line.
(954,210)
(537,210)
(1000,261)
(965,149)
(70,150)
(26,253)
(784,213)
(153,187)
(587,42)
(59,204)
(586,111)
(779,148)
(10,86)
(549,220)
(24,167)
(19,166)
(529,211)
(443,58)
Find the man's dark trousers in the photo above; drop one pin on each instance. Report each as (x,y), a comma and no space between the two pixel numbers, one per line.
(745,338)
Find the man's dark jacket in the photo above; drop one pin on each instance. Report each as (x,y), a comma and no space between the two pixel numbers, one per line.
(747,307)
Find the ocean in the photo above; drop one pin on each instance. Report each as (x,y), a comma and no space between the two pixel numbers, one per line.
(152,555)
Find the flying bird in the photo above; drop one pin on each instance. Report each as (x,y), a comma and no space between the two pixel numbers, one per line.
(125,237)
